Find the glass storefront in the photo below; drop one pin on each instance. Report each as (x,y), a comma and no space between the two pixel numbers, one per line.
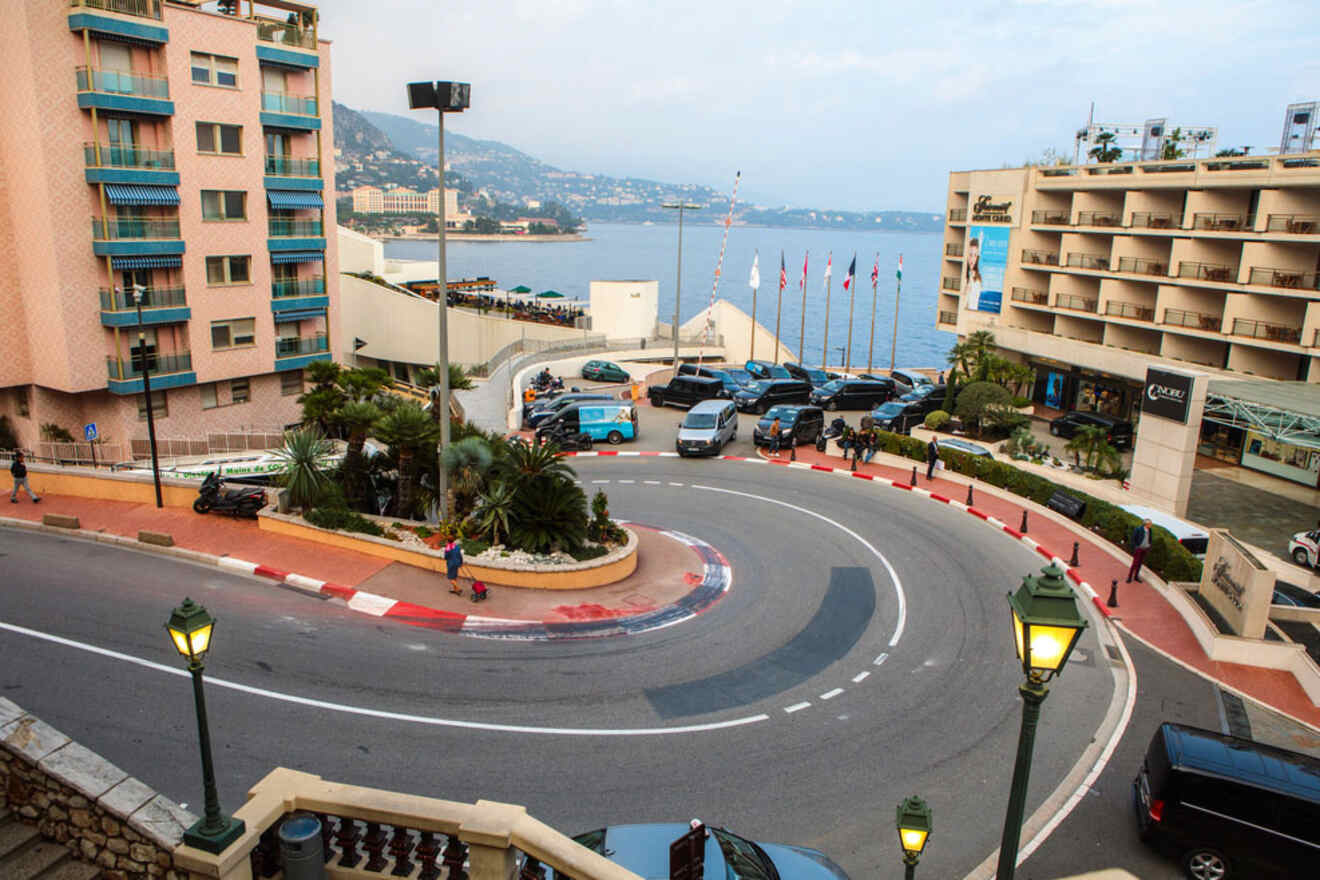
(1064,388)
(1301,464)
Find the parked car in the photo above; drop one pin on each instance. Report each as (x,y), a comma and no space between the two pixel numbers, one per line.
(765,393)
(1304,548)
(798,424)
(900,415)
(605,371)
(1118,432)
(1197,541)
(730,383)
(742,377)
(644,850)
(852,394)
(707,428)
(1287,594)
(766,370)
(602,420)
(911,378)
(964,446)
(686,391)
(1228,807)
(539,411)
(815,376)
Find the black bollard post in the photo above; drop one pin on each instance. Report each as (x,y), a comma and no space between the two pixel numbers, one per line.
(853,467)
(914,475)
(1023,530)
(970,503)
(1113,595)
(792,451)
(1073,562)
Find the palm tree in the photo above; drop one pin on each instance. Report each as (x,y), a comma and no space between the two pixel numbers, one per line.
(325,397)
(523,465)
(458,380)
(407,430)
(1087,442)
(303,459)
(980,348)
(362,383)
(357,418)
(467,461)
(494,508)
(552,516)
(1105,150)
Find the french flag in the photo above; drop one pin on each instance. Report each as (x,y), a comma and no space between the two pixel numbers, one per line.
(852,273)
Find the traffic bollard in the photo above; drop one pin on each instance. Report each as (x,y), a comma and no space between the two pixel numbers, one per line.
(301,848)
(1073,562)
(792,451)
(1113,595)
(1023,530)
(970,503)
(853,467)
(914,475)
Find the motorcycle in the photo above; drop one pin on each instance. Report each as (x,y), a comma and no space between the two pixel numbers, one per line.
(240,502)
(566,441)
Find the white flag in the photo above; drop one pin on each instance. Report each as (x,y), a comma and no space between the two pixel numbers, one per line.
(755,281)
(829,267)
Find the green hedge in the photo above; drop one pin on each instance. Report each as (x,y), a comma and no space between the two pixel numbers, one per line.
(1169,559)
(345,520)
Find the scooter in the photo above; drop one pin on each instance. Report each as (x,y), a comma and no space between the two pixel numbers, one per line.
(567,442)
(240,502)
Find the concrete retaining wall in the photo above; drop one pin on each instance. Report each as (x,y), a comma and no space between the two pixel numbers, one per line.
(108,486)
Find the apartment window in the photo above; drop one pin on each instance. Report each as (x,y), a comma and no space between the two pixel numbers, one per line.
(216,137)
(224,204)
(24,403)
(209,398)
(214,70)
(240,390)
(233,333)
(228,270)
(159,409)
(291,383)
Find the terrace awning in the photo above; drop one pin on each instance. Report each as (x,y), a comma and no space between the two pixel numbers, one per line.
(298,257)
(166,262)
(287,199)
(299,315)
(136,195)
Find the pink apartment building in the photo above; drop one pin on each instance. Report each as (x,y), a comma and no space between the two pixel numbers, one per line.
(180,151)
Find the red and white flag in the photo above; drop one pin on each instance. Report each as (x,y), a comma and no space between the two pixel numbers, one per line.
(829,267)
(875,271)
(802,285)
(783,273)
(852,273)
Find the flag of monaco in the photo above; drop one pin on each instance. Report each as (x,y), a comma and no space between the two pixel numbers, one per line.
(829,267)
(852,273)
(803,283)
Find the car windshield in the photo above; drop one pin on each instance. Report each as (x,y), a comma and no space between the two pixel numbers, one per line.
(785,415)
(757,387)
(817,375)
(742,377)
(832,386)
(744,859)
(699,420)
(889,410)
(778,372)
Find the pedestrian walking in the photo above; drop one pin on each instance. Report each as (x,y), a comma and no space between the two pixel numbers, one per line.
(932,456)
(19,472)
(453,561)
(774,436)
(1139,543)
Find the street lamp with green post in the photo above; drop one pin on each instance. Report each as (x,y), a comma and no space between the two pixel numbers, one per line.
(190,629)
(914,826)
(1046,626)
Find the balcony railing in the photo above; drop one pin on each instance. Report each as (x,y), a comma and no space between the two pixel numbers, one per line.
(127,156)
(1088,261)
(1290,279)
(280,102)
(152,298)
(1199,320)
(283,166)
(295,228)
(300,287)
(1299,224)
(293,347)
(286,34)
(1135,311)
(1098,218)
(1029,295)
(1050,218)
(131,368)
(129,228)
(114,82)
(140,8)
(1267,330)
(1217,221)
(1074,302)
(953,250)
(951,282)
(1206,271)
(1040,258)
(947,317)
(1142,266)
(957,215)
(1149,220)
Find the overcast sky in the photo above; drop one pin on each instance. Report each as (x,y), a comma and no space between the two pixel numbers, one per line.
(860,105)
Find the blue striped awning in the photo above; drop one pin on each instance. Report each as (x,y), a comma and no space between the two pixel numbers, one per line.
(166,262)
(132,194)
(299,315)
(297,257)
(289,199)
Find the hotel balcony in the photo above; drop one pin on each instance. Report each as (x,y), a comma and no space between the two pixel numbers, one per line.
(1195,320)
(1207,271)
(1098,218)
(951,282)
(953,250)
(160,305)
(295,296)
(1039,258)
(139,8)
(283,110)
(126,92)
(167,371)
(119,163)
(1134,311)
(1289,279)
(281,228)
(1297,224)
(1074,302)
(1050,218)
(1141,266)
(297,352)
(1088,261)
(958,215)
(1149,220)
(1218,222)
(286,34)
(123,236)
(1030,296)
(284,166)
(1267,330)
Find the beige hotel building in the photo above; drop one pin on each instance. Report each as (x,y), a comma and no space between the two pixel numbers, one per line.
(1091,273)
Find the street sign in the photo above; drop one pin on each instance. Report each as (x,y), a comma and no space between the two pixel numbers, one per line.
(687,855)
(89,432)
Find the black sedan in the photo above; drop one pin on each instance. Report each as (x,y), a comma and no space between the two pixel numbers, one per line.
(852,394)
(1117,432)
(797,425)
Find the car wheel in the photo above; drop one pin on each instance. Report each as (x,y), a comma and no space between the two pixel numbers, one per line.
(614,437)
(201,506)
(1300,556)
(657,400)
(1206,863)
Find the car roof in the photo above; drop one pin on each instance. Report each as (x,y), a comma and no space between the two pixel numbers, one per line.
(700,380)
(1180,529)
(713,406)
(1232,758)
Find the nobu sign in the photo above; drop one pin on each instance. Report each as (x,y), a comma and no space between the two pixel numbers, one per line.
(1167,395)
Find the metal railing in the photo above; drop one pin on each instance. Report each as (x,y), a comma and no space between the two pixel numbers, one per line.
(131,368)
(131,228)
(140,8)
(1198,320)
(1075,302)
(951,282)
(947,317)
(1299,224)
(1135,311)
(1098,218)
(152,298)
(957,215)
(293,347)
(286,166)
(953,250)
(126,156)
(1267,330)
(232,441)
(1217,221)
(281,102)
(1050,218)
(1149,220)
(1207,271)
(1040,258)
(1289,279)
(1142,266)
(1088,261)
(286,34)
(299,287)
(1029,295)
(282,228)
(115,82)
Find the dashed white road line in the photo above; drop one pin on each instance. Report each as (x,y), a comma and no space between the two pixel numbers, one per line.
(650,482)
(797,707)
(860,677)
(626,481)
(829,695)
(677,484)
(881,659)
(600,481)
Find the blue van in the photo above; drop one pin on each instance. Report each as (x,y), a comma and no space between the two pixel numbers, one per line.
(603,420)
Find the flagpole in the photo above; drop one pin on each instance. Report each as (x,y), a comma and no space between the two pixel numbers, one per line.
(825,352)
(719,267)
(802,328)
(898,290)
(875,287)
(756,288)
(852,299)
(779,304)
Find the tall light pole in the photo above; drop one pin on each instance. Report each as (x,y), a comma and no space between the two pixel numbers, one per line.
(444,97)
(139,293)
(678,282)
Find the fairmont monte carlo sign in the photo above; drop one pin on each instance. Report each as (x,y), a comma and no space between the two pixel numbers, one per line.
(1167,395)
(992,209)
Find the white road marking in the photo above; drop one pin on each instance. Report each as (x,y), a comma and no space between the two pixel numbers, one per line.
(676,484)
(994,522)
(600,481)
(881,659)
(829,695)
(627,481)
(651,482)
(213,681)
(238,564)
(370,603)
(860,677)
(796,707)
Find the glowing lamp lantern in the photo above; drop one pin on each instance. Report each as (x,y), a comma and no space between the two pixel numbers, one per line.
(914,826)
(190,628)
(1046,623)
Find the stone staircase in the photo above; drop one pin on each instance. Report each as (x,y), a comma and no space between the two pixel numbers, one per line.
(26,855)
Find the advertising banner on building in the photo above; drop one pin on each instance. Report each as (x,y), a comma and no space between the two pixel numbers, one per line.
(984,261)
(1167,395)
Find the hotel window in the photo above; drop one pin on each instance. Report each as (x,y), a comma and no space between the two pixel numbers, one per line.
(224,204)
(209,398)
(158,406)
(228,270)
(240,390)
(216,137)
(233,333)
(214,70)
(24,403)
(291,383)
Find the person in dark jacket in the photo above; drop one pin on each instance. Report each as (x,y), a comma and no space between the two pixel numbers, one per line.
(1139,544)
(453,561)
(19,472)
(932,456)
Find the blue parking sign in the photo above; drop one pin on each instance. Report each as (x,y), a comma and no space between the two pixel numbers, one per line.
(89,432)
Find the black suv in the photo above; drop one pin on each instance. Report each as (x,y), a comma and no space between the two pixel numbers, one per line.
(813,375)
(1117,432)
(686,391)
(761,395)
(801,424)
(852,394)
(766,370)
(910,409)
(731,383)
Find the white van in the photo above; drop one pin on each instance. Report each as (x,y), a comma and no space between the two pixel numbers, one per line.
(1195,540)
(707,428)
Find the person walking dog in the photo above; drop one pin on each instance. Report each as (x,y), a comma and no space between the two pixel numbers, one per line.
(932,456)
(19,471)
(453,561)
(1139,543)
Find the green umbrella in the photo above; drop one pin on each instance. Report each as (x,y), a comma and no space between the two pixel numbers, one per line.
(550,294)
(521,288)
